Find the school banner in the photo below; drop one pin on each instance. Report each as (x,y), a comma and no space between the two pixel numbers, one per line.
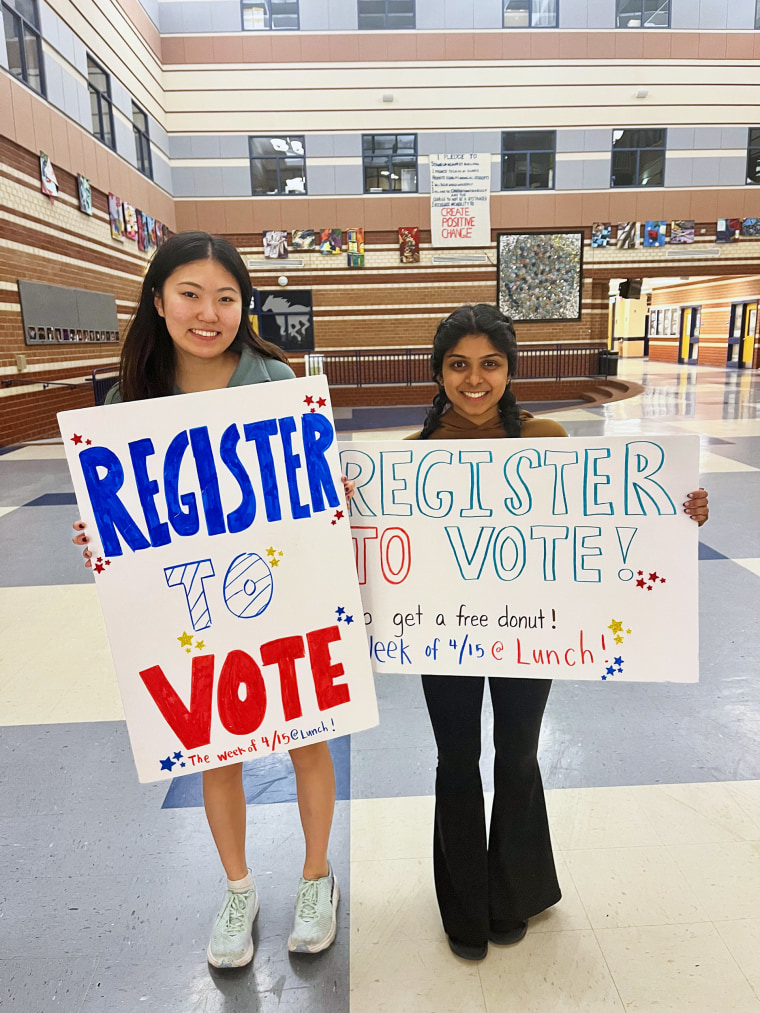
(460,200)
(224,568)
(563,558)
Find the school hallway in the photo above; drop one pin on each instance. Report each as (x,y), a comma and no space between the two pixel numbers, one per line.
(110,887)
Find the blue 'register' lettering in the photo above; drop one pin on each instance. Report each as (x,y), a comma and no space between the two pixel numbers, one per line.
(206,467)
(184,522)
(242,517)
(318,436)
(261,434)
(110,513)
(147,490)
(292,464)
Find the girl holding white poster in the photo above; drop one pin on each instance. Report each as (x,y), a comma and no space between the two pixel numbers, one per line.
(487,889)
(191,333)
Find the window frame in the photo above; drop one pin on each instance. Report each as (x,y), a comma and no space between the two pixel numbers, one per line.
(102,97)
(753,148)
(391,156)
(142,140)
(386,27)
(638,150)
(24,23)
(642,27)
(270,14)
(278,157)
(528,151)
(530,17)
(757,15)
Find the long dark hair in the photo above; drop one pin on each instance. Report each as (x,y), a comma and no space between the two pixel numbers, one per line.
(147,367)
(467,320)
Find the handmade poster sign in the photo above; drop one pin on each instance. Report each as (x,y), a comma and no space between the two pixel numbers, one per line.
(559,559)
(223,563)
(460,200)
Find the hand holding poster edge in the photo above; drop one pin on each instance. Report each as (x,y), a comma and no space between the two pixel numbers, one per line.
(202,526)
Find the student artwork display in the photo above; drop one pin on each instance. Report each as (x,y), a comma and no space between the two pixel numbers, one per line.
(224,567)
(600,234)
(303,239)
(84,191)
(565,559)
(409,244)
(331,241)
(276,245)
(728,230)
(750,227)
(655,233)
(285,317)
(460,200)
(628,234)
(48,178)
(355,242)
(539,275)
(142,231)
(115,217)
(682,231)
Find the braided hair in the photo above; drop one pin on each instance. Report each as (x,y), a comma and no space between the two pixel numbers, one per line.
(467,320)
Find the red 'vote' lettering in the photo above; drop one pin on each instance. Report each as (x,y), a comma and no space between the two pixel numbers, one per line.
(241,717)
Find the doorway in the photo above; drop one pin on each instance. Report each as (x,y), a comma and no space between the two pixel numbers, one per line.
(741,335)
(688,349)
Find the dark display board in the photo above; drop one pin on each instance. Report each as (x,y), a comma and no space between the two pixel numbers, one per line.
(56,315)
(285,318)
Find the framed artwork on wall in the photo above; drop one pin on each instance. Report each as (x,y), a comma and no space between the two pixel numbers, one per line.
(628,235)
(539,275)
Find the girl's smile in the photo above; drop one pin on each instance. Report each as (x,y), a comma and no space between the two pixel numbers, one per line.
(475,375)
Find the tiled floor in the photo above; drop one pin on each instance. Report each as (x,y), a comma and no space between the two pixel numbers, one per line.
(109,887)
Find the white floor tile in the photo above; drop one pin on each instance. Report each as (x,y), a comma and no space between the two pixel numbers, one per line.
(695,813)
(54,656)
(743,941)
(710,463)
(753,565)
(388,828)
(587,818)
(621,887)
(7,510)
(747,794)
(37,452)
(550,972)
(676,969)
(725,878)
(567,916)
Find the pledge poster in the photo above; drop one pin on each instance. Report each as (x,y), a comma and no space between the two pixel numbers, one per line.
(224,568)
(563,559)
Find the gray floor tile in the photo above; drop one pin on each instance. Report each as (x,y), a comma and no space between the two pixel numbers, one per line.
(45,984)
(37,547)
(22,481)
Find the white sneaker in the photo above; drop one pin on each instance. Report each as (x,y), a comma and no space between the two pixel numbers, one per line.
(315,921)
(231,944)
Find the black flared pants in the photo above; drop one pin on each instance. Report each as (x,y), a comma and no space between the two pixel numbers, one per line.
(510,877)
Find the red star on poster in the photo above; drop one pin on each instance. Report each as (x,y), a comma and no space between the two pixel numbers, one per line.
(76,438)
(640,573)
(649,587)
(640,582)
(99,559)
(662,580)
(88,442)
(653,577)
(338,515)
(312,410)
(99,568)
(308,399)
(108,562)
(321,402)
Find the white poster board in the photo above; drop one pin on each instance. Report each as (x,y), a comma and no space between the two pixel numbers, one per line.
(559,558)
(460,200)
(225,572)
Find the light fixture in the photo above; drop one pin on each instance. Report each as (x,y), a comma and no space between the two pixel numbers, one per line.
(641,93)
(387,96)
(282,281)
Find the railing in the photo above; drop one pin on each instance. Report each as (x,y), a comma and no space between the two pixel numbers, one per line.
(361,368)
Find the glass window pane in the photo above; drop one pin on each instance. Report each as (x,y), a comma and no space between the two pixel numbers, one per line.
(629,14)
(757,13)
(656,13)
(541,173)
(32,55)
(754,134)
(95,112)
(292,177)
(544,14)
(624,168)
(255,17)
(264,175)
(13,43)
(528,140)
(376,177)
(107,133)
(515,171)
(139,118)
(97,76)
(651,168)
(517,14)
(753,166)
(27,9)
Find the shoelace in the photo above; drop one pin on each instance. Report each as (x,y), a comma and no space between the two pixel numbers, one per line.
(308,896)
(236,912)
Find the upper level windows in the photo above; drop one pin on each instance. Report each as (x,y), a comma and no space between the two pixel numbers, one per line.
(99,85)
(530,13)
(753,155)
(527,159)
(390,162)
(142,140)
(642,13)
(757,13)
(382,14)
(638,157)
(266,15)
(23,45)
(278,165)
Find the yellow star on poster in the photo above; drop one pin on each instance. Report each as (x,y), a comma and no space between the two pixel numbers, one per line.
(619,639)
(271,551)
(280,554)
(628,631)
(188,651)
(200,644)
(615,626)
(274,562)
(185,640)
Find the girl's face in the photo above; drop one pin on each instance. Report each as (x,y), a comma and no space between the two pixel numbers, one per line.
(474,375)
(202,307)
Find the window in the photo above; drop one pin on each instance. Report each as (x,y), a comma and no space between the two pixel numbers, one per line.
(530,13)
(753,155)
(22,42)
(643,13)
(142,140)
(757,13)
(99,84)
(527,159)
(390,162)
(263,15)
(278,165)
(380,14)
(638,157)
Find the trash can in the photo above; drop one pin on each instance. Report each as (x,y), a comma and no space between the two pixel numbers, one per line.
(608,363)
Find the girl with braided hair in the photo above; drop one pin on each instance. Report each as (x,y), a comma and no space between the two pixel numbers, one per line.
(488,888)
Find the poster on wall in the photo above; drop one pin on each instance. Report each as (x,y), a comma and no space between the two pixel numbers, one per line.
(460,200)
(539,275)
(48,180)
(276,245)
(682,231)
(750,227)
(331,241)
(142,231)
(409,244)
(355,243)
(728,230)
(130,221)
(628,234)
(568,559)
(285,317)
(655,233)
(303,239)
(224,568)
(84,191)
(675,320)
(600,234)
(115,217)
